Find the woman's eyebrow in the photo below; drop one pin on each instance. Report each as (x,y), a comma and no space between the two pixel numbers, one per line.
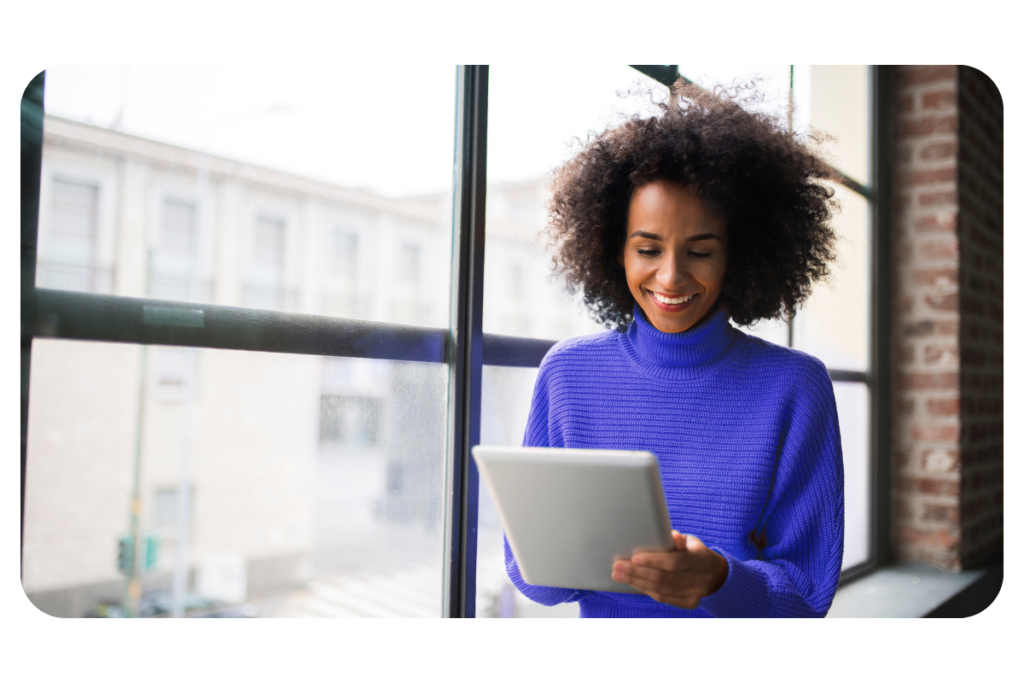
(695,238)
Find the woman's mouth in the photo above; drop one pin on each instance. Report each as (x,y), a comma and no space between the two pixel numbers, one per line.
(672,304)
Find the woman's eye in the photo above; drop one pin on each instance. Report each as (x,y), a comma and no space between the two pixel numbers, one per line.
(700,254)
(648,252)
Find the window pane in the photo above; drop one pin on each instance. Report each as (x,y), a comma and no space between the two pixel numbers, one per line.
(314,485)
(834,323)
(852,403)
(504,407)
(837,100)
(237,180)
(525,142)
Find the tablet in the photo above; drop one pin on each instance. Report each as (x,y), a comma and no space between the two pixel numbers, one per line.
(569,513)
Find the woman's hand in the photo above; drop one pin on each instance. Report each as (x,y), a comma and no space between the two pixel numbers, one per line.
(679,577)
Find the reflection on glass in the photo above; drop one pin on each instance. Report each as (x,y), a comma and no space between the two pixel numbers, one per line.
(852,404)
(231,186)
(834,323)
(271,485)
(504,408)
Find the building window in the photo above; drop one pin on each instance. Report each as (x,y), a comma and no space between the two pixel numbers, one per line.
(70,263)
(268,244)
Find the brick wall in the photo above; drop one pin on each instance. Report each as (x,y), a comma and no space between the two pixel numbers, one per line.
(947,316)
(980,230)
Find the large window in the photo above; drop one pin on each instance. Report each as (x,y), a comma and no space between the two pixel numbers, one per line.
(260,350)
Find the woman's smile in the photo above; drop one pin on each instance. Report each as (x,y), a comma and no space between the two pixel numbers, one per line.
(670,303)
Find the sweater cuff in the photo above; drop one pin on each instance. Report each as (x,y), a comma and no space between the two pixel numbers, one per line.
(742,595)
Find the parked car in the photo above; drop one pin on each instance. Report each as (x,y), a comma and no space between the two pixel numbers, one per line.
(161,603)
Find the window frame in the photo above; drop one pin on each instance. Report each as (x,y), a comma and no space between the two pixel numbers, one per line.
(463,347)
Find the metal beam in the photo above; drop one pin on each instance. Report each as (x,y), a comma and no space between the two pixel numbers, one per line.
(31,173)
(465,352)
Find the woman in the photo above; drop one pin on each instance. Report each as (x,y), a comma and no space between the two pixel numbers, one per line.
(670,226)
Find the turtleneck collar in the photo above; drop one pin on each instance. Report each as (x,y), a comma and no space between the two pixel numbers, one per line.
(682,355)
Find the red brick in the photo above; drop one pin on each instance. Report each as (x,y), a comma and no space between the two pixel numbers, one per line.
(939,99)
(932,512)
(929,380)
(947,539)
(905,353)
(943,302)
(938,150)
(937,198)
(936,277)
(905,406)
(914,75)
(940,459)
(940,248)
(928,125)
(941,354)
(928,176)
(943,406)
(935,223)
(906,103)
(936,432)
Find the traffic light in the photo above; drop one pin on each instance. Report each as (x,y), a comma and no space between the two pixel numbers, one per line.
(126,553)
(152,552)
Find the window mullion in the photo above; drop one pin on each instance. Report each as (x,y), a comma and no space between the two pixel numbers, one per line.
(465,351)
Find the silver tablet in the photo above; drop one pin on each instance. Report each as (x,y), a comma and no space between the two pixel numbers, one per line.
(569,513)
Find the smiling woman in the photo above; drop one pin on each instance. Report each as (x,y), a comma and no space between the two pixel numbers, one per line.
(675,256)
(671,225)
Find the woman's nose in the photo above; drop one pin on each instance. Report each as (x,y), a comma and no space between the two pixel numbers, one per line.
(672,273)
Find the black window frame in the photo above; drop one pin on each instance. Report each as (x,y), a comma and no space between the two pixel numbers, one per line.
(463,347)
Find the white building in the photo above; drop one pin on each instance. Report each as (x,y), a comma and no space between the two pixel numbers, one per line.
(299,467)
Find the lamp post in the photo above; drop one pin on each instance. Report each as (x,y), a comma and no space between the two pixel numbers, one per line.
(184,492)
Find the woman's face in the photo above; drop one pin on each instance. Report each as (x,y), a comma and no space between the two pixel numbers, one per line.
(674,256)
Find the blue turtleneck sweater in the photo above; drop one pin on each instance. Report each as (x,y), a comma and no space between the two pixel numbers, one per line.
(747,439)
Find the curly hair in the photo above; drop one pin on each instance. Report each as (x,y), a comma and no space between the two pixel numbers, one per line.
(747,168)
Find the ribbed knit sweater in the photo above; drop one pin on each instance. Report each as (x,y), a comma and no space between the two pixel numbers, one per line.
(747,439)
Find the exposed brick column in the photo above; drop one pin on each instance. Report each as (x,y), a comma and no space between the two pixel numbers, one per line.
(980,228)
(947,316)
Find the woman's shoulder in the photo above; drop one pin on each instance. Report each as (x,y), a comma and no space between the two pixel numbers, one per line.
(784,362)
(583,349)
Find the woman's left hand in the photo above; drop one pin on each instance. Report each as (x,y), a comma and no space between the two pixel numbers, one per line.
(679,577)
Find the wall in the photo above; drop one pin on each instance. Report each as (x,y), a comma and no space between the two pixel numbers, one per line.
(947,316)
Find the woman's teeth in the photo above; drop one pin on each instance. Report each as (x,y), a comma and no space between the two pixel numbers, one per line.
(672,302)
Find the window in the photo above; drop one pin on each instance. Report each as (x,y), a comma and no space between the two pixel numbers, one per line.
(72,237)
(349,362)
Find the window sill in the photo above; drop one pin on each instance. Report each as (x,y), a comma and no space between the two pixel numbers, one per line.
(917,590)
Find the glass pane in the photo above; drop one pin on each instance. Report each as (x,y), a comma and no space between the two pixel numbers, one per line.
(834,323)
(269,484)
(852,403)
(504,408)
(525,142)
(238,181)
(837,100)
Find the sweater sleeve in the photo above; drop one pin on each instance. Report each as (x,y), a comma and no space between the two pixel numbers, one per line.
(798,570)
(538,435)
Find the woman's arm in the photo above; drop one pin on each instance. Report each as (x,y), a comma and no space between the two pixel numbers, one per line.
(538,435)
(798,570)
